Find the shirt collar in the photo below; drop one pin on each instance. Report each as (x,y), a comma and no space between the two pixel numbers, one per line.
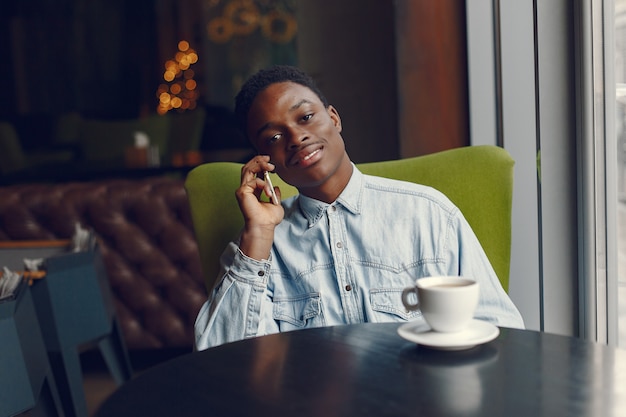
(351,198)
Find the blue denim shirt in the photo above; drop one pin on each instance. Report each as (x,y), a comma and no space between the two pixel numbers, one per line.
(348,262)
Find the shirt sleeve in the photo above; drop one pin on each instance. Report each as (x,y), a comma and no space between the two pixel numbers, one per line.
(494,305)
(234,308)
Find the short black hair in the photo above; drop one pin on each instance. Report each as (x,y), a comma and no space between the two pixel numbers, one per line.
(263,79)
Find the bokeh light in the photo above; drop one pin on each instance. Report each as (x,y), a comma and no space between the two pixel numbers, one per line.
(180,90)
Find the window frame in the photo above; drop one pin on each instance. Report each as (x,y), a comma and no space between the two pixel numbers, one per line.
(564,250)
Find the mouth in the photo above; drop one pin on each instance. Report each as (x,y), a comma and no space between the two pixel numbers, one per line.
(306,157)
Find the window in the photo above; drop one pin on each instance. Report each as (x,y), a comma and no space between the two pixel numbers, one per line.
(619,22)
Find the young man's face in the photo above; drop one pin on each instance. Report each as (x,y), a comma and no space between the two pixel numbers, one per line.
(288,122)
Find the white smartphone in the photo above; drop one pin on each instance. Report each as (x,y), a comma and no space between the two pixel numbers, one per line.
(266,177)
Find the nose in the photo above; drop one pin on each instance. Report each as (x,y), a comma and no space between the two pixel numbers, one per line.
(296,137)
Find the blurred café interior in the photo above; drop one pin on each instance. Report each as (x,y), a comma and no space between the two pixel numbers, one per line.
(107,104)
(89,82)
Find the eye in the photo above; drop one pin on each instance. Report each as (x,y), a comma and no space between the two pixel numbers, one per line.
(307,117)
(273,139)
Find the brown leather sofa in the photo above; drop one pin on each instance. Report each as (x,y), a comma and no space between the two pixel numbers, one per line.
(145,232)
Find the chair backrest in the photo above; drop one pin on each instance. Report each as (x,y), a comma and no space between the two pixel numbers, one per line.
(186,130)
(11,154)
(478,179)
(106,140)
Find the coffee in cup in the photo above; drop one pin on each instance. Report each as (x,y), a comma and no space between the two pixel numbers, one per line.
(447,303)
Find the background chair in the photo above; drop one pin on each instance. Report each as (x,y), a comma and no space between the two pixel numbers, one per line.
(106,140)
(15,160)
(478,179)
(75,308)
(26,380)
(186,131)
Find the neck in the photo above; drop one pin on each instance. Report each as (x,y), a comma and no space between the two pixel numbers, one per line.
(330,190)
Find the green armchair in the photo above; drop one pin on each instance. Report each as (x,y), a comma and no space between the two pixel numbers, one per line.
(478,179)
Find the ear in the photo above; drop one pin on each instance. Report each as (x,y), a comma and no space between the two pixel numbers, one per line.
(334,115)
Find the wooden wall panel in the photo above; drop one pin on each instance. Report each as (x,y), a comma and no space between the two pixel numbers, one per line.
(432,76)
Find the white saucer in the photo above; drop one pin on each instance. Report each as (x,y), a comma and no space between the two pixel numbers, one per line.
(478,332)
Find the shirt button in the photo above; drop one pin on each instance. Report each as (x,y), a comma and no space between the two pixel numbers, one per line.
(261,273)
(348,287)
(333,208)
(339,245)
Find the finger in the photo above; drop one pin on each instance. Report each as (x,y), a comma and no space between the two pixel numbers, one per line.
(253,187)
(255,167)
(277,193)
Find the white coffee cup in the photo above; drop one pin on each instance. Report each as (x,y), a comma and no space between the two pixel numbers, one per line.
(446,302)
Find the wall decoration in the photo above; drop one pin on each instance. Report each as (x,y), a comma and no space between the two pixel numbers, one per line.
(244,36)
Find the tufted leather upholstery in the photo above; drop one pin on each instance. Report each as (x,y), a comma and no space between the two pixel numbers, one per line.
(146,237)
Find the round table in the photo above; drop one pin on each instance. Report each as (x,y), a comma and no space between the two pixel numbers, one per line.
(368,370)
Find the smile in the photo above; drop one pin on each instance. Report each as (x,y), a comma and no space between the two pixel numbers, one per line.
(306,157)
(311,155)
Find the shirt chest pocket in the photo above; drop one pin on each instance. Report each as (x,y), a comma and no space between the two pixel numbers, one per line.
(298,312)
(387,306)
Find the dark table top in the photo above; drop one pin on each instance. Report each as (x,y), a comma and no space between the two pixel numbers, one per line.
(368,370)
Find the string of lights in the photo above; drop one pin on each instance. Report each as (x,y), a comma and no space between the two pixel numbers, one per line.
(179,91)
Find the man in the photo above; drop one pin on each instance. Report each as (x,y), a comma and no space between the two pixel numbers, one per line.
(342,250)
